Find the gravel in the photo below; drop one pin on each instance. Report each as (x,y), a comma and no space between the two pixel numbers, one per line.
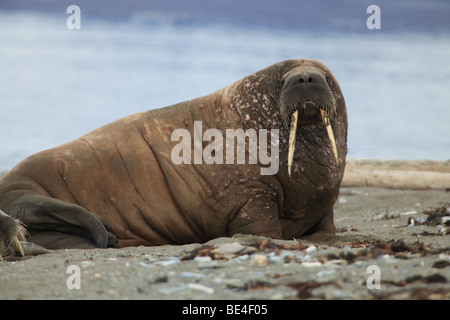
(373,230)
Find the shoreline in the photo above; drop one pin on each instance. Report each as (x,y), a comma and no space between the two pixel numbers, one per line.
(395,174)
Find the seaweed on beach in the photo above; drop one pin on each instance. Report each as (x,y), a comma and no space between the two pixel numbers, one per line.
(439,216)
(399,249)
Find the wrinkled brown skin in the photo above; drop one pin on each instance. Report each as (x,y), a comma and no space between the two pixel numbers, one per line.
(117,186)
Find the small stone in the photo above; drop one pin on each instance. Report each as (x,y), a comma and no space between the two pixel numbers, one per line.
(388,258)
(445,220)
(235,284)
(444,256)
(339,262)
(151,260)
(306,257)
(143,264)
(325,273)
(171,290)
(311,249)
(244,257)
(407,213)
(420,219)
(287,256)
(168,262)
(299,256)
(275,259)
(277,296)
(202,259)
(259,260)
(85,264)
(341,294)
(310,264)
(199,287)
(158,277)
(417,264)
(444,230)
(192,275)
(228,248)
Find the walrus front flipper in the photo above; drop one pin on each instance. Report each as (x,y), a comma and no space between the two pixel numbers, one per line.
(55,224)
(11,234)
(259,216)
(326,224)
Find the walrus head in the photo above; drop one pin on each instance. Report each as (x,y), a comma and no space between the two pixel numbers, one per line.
(301,99)
(306,97)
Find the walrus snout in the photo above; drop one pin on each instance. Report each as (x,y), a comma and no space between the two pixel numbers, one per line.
(305,94)
(303,88)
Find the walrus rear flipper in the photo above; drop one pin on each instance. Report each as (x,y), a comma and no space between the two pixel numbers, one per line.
(55,224)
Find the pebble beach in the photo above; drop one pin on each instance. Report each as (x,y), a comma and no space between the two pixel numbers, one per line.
(390,244)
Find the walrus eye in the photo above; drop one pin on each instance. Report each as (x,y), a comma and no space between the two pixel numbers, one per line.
(282,82)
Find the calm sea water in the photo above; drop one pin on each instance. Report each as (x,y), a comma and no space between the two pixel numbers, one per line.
(58,84)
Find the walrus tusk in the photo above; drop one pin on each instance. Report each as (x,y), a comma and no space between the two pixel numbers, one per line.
(292,133)
(326,122)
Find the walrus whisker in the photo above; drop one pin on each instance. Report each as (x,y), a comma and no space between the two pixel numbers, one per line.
(326,122)
(292,134)
(20,235)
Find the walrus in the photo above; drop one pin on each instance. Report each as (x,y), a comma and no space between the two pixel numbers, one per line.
(118,186)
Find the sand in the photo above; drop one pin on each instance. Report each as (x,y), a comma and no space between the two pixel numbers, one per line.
(384,249)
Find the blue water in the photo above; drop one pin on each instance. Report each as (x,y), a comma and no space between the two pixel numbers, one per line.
(58,84)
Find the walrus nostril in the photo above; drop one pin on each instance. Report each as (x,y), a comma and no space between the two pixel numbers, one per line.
(305,79)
